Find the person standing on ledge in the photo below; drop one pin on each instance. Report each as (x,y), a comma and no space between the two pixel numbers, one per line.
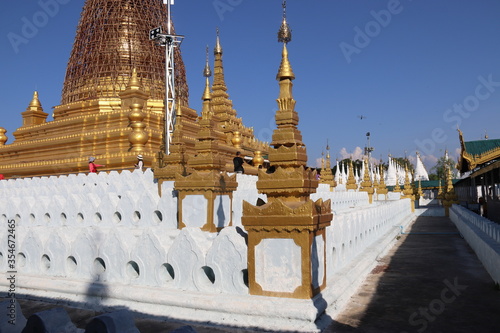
(92,166)
(238,163)
(140,162)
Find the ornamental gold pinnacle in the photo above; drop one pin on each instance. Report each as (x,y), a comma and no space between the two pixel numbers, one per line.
(284,33)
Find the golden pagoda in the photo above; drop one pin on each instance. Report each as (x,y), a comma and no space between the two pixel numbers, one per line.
(382,188)
(112,105)
(366,184)
(397,188)
(326,171)
(289,216)
(351,180)
(408,189)
(449,197)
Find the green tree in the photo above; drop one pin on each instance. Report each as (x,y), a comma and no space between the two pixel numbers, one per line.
(441,167)
(433,176)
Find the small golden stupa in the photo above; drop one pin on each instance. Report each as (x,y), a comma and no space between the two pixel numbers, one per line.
(289,215)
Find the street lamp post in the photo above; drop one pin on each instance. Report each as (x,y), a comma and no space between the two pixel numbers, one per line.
(170,42)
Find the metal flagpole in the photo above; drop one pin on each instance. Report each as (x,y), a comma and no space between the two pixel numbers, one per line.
(170,42)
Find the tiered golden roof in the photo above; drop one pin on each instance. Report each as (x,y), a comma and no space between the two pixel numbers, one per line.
(207,177)
(225,117)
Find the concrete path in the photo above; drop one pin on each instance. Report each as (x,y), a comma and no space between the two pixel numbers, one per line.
(431,281)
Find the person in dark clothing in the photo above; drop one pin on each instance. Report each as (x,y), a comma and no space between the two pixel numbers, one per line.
(238,163)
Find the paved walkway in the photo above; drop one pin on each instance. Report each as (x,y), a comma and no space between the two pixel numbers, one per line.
(430,282)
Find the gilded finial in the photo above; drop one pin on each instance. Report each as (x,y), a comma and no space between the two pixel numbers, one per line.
(218,48)
(3,137)
(207,72)
(35,102)
(285,71)
(284,33)
(134,80)
(207,96)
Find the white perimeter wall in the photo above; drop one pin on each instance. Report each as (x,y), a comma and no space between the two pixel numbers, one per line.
(482,235)
(107,240)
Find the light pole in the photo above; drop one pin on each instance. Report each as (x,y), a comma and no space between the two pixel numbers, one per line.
(368,148)
(170,42)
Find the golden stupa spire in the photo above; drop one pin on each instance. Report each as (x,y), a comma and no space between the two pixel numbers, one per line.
(35,102)
(328,162)
(449,181)
(287,132)
(34,114)
(134,83)
(408,190)
(449,197)
(218,47)
(327,176)
(367,184)
(289,210)
(382,189)
(419,189)
(351,181)
(285,70)
(222,106)
(285,36)
(207,73)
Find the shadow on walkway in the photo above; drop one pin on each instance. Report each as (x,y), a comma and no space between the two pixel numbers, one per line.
(431,282)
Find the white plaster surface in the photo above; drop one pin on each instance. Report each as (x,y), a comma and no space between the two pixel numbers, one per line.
(246,190)
(194,210)
(341,200)
(228,259)
(278,265)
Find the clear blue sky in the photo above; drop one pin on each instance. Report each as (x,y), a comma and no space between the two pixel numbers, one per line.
(412,68)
